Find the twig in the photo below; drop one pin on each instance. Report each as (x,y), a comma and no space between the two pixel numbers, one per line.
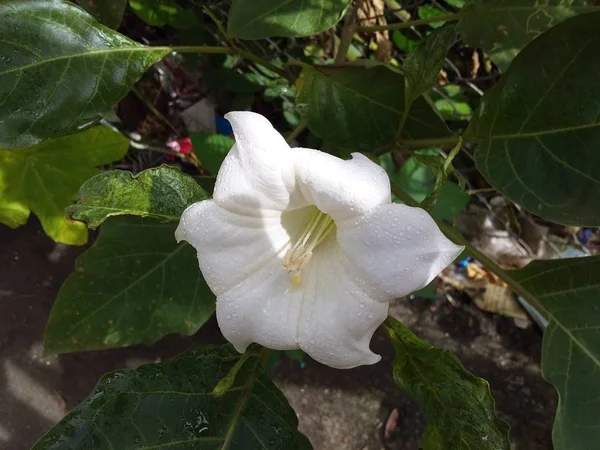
(409,24)
(296,131)
(347,32)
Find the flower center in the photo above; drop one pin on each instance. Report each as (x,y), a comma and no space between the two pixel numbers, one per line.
(298,256)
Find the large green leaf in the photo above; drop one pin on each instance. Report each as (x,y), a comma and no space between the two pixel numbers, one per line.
(45,179)
(422,66)
(60,70)
(134,285)
(107,12)
(161,193)
(211,149)
(504,27)
(258,19)
(539,129)
(171,406)
(361,108)
(458,406)
(569,289)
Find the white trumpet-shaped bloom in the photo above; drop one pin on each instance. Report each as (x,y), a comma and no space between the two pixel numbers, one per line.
(305,250)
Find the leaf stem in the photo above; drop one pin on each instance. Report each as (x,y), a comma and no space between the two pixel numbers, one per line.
(411,23)
(347,32)
(433,142)
(296,131)
(227,381)
(457,238)
(205,49)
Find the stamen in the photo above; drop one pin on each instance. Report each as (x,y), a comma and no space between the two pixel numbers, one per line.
(298,256)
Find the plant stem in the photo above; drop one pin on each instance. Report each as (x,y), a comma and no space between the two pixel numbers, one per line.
(479,191)
(412,23)
(201,49)
(452,155)
(296,131)
(434,142)
(346,35)
(457,238)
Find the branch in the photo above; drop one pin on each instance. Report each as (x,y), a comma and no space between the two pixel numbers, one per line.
(347,32)
(412,23)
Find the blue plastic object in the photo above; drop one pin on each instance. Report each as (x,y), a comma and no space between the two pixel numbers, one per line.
(223,126)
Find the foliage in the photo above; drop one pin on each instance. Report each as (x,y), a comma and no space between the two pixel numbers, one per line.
(534,134)
(172,404)
(44,178)
(457,405)
(61,71)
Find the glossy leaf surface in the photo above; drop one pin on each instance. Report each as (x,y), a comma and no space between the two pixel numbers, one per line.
(361,108)
(133,286)
(161,193)
(569,289)
(539,129)
(458,406)
(258,19)
(45,179)
(60,70)
(171,406)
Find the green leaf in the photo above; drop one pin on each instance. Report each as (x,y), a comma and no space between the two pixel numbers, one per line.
(456,3)
(403,42)
(161,193)
(230,80)
(422,66)
(60,70)
(451,102)
(504,27)
(418,181)
(107,12)
(170,406)
(45,179)
(569,290)
(360,108)
(428,11)
(12,213)
(133,286)
(539,129)
(163,12)
(457,406)
(258,19)
(211,149)
(429,291)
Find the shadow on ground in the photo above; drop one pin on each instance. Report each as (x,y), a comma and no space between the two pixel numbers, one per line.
(336,409)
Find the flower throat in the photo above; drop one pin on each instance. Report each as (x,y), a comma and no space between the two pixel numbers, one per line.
(297,257)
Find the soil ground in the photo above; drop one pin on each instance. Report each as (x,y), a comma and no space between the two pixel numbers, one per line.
(336,409)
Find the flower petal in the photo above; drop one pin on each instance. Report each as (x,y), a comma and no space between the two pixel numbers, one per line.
(326,314)
(338,318)
(338,187)
(231,247)
(395,250)
(258,172)
(265,309)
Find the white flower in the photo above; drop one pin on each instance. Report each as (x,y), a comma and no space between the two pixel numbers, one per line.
(305,250)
